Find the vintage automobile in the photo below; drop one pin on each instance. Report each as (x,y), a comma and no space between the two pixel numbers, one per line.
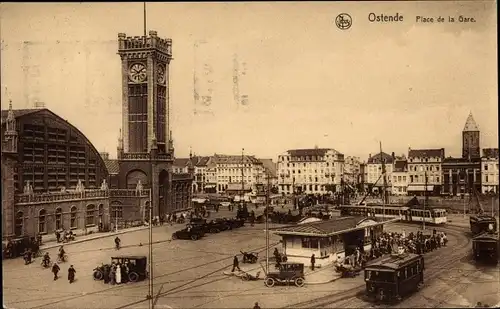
(250,257)
(137,267)
(394,277)
(212,226)
(235,223)
(16,247)
(190,232)
(287,273)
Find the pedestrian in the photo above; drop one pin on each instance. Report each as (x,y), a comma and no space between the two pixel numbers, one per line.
(313,261)
(118,274)
(106,273)
(55,270)
(256,306)
(71,274)
(235,264)
(58,236)
(112,276)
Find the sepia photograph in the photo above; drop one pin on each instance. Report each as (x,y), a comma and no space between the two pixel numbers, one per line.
(249,155)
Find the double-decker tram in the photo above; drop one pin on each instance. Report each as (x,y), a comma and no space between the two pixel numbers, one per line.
(394,277)
(405,213)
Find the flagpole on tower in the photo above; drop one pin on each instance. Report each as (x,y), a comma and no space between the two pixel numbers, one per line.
(145,25)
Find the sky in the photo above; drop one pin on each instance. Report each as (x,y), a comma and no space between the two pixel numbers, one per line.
(308,83)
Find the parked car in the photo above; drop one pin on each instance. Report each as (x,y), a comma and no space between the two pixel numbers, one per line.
(190,232)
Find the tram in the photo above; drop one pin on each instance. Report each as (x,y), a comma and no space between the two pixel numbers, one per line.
(394,277)
(486,246)
(480,223)
(415,215)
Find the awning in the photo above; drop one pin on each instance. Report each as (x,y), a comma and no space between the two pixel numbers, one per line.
(210,186)
(199,200)
(419,188)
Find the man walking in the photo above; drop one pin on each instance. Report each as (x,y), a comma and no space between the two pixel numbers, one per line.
(71,274)
(235,264)
(313,261)
(55,270)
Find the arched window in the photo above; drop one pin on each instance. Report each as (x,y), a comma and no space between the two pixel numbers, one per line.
(117,211)
(74,217)
(41,221)
(19,225)
(59,224)
(101,213)
(90,215)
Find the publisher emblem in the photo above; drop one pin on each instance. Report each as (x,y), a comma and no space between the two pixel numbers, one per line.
(343,21)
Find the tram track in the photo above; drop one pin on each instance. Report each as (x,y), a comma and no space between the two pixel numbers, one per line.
(354,298)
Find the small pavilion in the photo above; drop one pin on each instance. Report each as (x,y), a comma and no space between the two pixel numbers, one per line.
(329,239)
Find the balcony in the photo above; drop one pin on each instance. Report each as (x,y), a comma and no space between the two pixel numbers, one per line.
(145,156)
(127,192)
(58,196)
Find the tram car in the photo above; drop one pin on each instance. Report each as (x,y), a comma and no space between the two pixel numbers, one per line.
(435,216)
(480,223)
(394,277)
(486,246)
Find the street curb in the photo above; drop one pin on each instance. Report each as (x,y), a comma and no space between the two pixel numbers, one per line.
(99,236)
(322,282)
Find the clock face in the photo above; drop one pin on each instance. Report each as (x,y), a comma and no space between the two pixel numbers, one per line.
(161,73)
(137,72)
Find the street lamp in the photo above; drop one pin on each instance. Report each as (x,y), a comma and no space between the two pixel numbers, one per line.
(150,277)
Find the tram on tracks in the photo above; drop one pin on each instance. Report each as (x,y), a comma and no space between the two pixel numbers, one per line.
(480,223)
(394,277)
(436,216)
(486,246)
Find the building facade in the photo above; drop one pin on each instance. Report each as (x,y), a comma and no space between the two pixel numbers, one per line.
(352,170)
(312,171)
(489,170)
(424,163)
(374,177)
(233,170)
(400,178)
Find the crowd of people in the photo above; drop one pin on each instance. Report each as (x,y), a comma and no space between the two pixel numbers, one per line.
(392,242)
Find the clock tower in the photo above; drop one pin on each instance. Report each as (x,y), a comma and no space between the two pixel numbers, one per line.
(470,139)
(145,147)
(145,92)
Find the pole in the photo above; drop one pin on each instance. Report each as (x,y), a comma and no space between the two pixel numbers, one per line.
(242,176)
(267,223)
(150,285)
(492,206)
(425,200)
(145,21)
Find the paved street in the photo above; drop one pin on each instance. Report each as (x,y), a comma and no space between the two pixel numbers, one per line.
(190,275)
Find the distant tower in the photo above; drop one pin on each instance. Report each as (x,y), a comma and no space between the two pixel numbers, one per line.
(470,139)
(145,91)
(10,135)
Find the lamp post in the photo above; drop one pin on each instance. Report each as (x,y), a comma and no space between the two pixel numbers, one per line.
(150,277)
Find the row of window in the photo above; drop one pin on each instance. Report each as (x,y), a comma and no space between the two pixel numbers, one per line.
(306,158)
(490,167)
(93,216)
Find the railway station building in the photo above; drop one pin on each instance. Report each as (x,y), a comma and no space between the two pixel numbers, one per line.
(329,239)
(53,178)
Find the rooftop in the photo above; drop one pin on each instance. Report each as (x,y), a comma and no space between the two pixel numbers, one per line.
(231,159)
(394,261)
(376,159)
(426,153)
(400,165)
(19,112)
(112,166)
(308,152)
(270,166)
(326,228)
(470,124)
(490,153)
